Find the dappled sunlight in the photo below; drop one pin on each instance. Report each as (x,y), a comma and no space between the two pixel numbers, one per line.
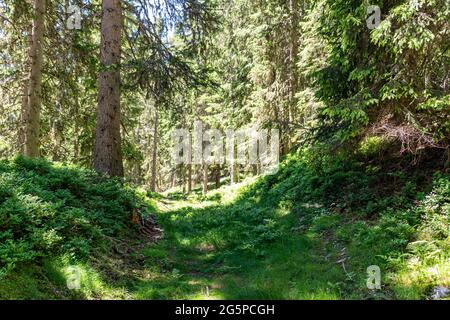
(224,149)
(211,244)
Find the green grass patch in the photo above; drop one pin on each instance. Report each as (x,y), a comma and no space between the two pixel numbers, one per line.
(308,232)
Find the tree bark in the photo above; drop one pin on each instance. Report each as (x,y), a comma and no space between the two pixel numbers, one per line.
(205,178)
(189,178)
(196,170)
(234,173)
(183,178)
(217,176)
(25,88)
(231,168)
(293,78)
(23,114)
(154,152)
(107,150)
(32,103)
(174,178)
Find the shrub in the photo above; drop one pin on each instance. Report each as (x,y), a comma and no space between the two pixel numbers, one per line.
(49,209)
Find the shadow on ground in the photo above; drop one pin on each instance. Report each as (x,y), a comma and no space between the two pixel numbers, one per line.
(251,248)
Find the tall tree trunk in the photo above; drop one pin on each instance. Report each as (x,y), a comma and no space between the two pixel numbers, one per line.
(234,173)
(205,178)
(76,141)
(154,152)
(25,89)
(217,176)
(189,178)
(293,78)
(107,151)
(159,181)
(231,168)
(32,113)
(255,169)
(174,178)
(183,177)
(196,170)
(23,114)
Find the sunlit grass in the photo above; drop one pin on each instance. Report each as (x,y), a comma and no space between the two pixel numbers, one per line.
(259,239)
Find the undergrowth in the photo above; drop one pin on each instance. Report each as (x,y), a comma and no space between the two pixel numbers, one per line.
(51,210)
(323,217)
(307,232)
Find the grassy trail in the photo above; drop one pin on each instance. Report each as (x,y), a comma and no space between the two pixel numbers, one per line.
(228,245)
(207,256)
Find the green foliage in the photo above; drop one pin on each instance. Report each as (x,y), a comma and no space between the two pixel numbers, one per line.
(349,96)
(312,229)
(399,229)
(384,75)
(50,209)
(298,226)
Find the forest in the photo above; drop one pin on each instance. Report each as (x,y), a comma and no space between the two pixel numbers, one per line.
(224,149)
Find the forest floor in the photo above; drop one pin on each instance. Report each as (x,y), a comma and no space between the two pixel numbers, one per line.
(195,261)
(238,243)
(209,250)
(218,247)
(264,238)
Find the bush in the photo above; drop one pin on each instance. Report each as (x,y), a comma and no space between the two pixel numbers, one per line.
(50,209)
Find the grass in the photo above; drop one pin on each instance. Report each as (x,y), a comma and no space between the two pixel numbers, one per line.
(307,232)
(300,235)
(206,261)
(53,216)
